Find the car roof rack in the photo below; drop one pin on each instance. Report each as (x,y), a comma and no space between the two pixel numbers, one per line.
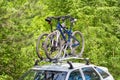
(87,62)
(61,60)
(70,64)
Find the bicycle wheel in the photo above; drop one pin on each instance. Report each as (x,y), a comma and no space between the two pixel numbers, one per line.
(39,46)
(53,45)
(77,44)
(65,51)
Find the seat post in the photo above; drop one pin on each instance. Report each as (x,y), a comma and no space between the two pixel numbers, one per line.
(51,27)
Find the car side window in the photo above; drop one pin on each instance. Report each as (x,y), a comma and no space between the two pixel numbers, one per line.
(102,73)
(90,73)
(75,75)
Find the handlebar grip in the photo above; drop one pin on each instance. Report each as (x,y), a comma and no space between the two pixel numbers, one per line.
(73,20)
(48,19)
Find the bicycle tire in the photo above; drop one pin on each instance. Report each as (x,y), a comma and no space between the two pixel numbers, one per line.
(53,45)
(39,46)
(77,51)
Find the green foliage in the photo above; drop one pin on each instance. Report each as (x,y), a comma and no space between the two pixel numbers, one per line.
(5,77)
(22,21)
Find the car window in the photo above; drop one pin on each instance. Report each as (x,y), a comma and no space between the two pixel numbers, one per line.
(75,75)
(59,76)
(52,75)
(102,73)
(44,75)
(90,73)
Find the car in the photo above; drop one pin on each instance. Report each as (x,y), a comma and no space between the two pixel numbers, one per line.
(67,70)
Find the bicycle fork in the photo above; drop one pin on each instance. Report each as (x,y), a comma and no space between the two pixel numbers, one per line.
(55,42)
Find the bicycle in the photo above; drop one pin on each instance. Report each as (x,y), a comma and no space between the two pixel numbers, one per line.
(63,42)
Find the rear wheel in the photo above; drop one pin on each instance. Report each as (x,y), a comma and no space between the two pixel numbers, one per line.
(77,44)
(53,45)
(39,46)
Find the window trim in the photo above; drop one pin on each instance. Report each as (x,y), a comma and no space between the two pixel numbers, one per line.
(108,75)
(93,69)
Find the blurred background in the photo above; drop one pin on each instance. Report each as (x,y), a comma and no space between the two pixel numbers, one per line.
(22,21)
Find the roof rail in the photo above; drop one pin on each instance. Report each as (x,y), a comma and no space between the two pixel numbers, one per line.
(87,62)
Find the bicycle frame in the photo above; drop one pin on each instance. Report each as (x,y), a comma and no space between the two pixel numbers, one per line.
(68,32)
(59,27)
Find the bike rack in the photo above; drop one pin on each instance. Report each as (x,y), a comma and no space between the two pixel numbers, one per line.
(87,62)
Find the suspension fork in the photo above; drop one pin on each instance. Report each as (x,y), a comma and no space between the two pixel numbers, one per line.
(55,41)
(58,35)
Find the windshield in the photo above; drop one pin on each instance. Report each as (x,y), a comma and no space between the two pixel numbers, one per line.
(44,75)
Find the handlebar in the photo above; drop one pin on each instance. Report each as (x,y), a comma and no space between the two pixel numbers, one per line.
(72,20)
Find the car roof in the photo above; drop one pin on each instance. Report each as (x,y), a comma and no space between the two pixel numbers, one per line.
(64,65)
(60,66)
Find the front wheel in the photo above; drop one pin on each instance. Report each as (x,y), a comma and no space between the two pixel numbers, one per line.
(40,44)
(53,45)
(77,44)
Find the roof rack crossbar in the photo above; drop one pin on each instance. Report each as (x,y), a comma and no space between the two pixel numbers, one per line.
(87,62)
